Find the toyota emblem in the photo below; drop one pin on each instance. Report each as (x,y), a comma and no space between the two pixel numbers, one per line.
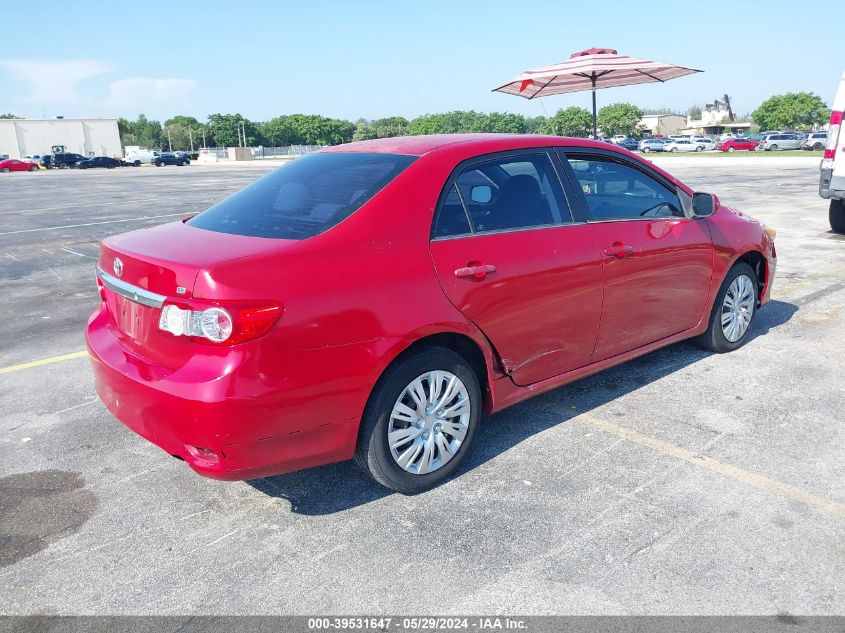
(118,267)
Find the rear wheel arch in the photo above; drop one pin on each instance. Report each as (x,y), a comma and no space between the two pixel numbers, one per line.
(460,343)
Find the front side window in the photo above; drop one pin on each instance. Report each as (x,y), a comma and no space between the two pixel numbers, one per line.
(310,195)
(616,191)
(509,193)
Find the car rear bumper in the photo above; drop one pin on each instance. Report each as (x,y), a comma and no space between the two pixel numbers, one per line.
(214,412)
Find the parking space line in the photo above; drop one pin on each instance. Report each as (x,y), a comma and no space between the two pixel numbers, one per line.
(738,474)
(42,361)
(74,226)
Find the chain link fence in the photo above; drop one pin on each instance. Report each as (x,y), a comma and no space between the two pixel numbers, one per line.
(261,152)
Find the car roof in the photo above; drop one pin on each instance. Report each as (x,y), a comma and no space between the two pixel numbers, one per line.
(483,143)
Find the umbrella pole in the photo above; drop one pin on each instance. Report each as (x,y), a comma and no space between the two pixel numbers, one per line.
(593,79)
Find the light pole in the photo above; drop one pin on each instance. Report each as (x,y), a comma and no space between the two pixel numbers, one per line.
(169,142)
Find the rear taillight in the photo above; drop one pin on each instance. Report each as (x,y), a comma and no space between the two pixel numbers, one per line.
(833,134)
(226,323)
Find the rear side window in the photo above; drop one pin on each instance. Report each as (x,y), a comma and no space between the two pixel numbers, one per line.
(616,191)
(306,197)
(508,193)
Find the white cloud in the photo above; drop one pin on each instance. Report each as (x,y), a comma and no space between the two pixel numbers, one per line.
(59,83)
(51,80)
(143,92)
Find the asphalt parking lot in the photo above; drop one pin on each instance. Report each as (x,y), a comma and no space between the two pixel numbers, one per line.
(679,483)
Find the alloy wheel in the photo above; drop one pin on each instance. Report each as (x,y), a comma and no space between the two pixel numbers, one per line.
(738,308)
(429,422)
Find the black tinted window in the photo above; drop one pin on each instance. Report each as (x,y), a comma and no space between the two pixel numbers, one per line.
(451,219)
(304,198)
(615,191)
(503,194)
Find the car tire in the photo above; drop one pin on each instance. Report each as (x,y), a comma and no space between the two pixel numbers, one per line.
(731,149)
(836,215)
(700,148)
(674,149)
(137,163)
(5,170)
(374,454)
(33,168)
(773,146)
(646,150)
(818,146)
(720,337)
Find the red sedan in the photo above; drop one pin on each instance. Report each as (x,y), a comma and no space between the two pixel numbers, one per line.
(374,300)
(13,164)
(734,144)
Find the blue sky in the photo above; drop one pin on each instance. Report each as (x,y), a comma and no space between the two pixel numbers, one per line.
(375,58)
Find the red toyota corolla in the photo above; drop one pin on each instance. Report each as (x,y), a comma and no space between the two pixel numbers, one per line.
(374,300)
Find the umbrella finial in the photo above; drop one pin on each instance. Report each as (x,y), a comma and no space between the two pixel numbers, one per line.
(594,51)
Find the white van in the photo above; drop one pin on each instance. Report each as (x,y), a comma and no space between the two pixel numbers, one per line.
(832,182)
(139,156)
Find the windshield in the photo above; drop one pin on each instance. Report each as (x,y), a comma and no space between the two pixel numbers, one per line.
(304,198)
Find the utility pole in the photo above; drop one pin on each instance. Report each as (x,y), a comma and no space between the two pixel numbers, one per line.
(191,138)
(169,142)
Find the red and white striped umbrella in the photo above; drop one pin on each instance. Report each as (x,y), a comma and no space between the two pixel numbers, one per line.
(592,69)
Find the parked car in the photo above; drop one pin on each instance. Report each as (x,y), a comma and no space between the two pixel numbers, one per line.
(652,145)
(705,143)
(815,141)
(99,161)
(63,160)
(629,143)
(780,141)
(616,139)
(682,145)
(832,180)
(237,342)
(168,158)
(737,144)
(13,164)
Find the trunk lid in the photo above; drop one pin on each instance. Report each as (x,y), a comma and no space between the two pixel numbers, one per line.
(165,261)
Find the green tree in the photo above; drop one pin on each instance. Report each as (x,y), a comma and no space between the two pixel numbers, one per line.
(456,122)
(503,123)
(536,125)
(570,122)
(224,129)
(142,132)
(9,115)
(620,118)
(793,110)
(364,131)
(184,132)
(389,126)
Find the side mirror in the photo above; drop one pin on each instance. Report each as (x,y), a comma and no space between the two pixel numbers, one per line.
(704,204)
(481,194)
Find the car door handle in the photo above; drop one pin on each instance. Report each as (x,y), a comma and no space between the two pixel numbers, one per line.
(475,271)
(618,250)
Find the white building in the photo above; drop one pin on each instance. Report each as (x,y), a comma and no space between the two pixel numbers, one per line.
(89,137)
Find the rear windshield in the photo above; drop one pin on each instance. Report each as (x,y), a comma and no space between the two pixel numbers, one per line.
(304,198)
